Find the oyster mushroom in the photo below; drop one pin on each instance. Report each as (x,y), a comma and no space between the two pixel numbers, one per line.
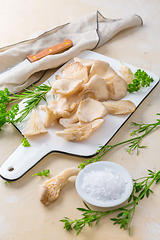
(90,109)
(76,133)
(120,88)
(80,130)
(96,123)
(73,121)
(50,190)
(50,117)
(68,122)
(66,86)
(102,69)
(60,106)
(76,70)
(98,87)
(120,107)
(35,125)
(110,87)
(74,99)
(127,74)
(85,62)
(57,109)
(116,85)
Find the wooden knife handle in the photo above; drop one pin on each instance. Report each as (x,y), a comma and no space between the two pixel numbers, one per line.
(66,44)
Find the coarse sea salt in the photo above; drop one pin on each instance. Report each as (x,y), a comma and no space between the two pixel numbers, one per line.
(104,185)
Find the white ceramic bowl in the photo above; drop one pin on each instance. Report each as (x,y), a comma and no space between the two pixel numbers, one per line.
(100,166)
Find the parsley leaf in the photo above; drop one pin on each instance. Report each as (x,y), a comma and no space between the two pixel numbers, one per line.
(33,96)
(6,116)
(44,173)
(6,182)
(141,80)
(25,142)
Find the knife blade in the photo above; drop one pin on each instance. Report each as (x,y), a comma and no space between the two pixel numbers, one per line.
(58,48)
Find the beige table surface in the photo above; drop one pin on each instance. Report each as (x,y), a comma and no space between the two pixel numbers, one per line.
(22,216)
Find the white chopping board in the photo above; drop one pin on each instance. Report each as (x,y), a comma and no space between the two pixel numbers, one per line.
(24,158)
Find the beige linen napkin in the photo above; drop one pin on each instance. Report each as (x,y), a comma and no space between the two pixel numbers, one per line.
(86,33)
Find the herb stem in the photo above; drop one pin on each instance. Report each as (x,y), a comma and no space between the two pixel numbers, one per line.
(135,142)
(126,212)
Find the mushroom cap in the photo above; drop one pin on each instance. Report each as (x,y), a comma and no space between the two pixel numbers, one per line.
(79,131)
(50,117)
(69,122)
(34,125)
(97,123)
(120,88)
(75,70)
(60,106)
(57,109)
(66,86)
(102,69)
(120,107)
(85,62)
(98,87)
(76,133)
(127,74)
(90,109)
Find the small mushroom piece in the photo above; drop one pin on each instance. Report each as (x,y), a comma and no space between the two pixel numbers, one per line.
(116,85)
(90,109)
(76,133)
(110,87)
(79,131)
(120,107)
(75,70)
(60,106)
(74,122)
(74,99)
(66,86)
(127,74)
(50,190)
(50,117)
(57,109)
(102,69)
(120,88)
(85,62)
(35,125)
(98,87)
(97,123)
(68,122)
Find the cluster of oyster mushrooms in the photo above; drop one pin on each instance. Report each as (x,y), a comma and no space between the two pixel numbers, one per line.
(87,91)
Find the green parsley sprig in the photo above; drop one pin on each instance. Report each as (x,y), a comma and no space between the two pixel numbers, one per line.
(141,188)
(6,116)
(33,96)
(142,79)
(134,143)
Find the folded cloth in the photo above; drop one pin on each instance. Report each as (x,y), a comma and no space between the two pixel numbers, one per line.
(86,33)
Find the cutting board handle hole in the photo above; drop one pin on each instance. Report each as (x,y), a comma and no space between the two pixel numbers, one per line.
(11,169)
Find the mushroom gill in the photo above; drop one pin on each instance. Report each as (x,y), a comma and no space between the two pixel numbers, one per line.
(120,107)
